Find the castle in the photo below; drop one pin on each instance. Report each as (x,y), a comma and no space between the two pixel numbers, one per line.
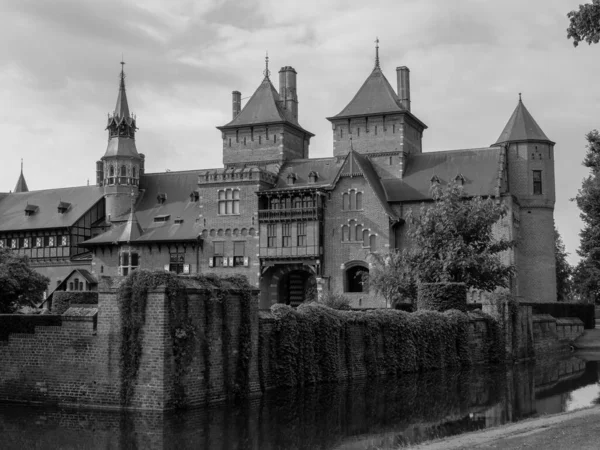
(275,215)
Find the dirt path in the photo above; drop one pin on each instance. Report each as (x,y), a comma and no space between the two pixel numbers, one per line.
(578,430)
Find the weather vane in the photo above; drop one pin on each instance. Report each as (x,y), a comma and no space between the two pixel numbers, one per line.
(267,72)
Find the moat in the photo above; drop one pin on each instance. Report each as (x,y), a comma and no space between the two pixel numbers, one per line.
(379,414)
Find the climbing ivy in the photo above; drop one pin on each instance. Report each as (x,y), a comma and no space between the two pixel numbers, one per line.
(314,343)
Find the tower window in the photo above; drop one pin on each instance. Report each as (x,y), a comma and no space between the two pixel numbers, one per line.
(176,262)
(244,140)
(123,171)
(375,129)
(111,171)
(537,182)
(128,262)
(229,201)
(341,132)
(358,131)
(134,172)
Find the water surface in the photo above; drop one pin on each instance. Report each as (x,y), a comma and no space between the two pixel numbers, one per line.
(383,413)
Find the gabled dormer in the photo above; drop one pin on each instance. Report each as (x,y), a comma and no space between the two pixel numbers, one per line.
(266,131)
(377,119)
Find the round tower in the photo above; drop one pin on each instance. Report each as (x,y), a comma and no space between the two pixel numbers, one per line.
(121,165)
(530,162)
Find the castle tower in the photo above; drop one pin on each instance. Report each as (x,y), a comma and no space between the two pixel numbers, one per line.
(379,121)
(21,185)
(119,169)
(530,162)
(266,131)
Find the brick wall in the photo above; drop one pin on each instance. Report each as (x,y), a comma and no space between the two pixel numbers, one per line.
(76,362)
(552,335)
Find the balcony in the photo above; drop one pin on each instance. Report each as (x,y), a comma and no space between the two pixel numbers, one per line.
(291,214)
(309,251)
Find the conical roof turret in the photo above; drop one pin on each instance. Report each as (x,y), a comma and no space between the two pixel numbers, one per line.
(21,183)
(522,127)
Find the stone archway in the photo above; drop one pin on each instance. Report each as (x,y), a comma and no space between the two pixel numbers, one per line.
(287,284)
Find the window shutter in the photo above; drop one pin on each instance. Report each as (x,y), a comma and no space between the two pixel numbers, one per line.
(210,262)
(119,272)
(231,261)
(186,269)
(166,267)
(246,261)
(225,261)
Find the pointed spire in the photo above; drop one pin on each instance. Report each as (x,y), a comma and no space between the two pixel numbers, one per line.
(522,127)
(21,183)
(377,54)
(133,229)
(267,72)
(122,107)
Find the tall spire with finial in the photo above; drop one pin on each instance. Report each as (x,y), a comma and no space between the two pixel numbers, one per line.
(122,107)
(377,53)
(267,72)
(520,98)
(21,183)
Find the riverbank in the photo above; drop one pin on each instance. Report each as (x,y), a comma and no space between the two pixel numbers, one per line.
(578,429)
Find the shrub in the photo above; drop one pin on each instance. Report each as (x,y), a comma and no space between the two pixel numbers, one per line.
(335,300)
(442,296)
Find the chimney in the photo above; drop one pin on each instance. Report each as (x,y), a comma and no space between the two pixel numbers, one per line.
(403,75)
(287,91)
(236,102)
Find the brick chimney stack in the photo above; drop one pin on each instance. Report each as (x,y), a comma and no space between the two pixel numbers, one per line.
(287,91)
(403,75)
(236,103)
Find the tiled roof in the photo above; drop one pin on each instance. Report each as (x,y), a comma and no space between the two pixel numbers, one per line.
(375,96)
(479,167)
(326,170)
(12,207)
(177,186)
(522,127)
(264,107)
(122,146)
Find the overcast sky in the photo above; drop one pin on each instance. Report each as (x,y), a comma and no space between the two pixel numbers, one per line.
(59,66)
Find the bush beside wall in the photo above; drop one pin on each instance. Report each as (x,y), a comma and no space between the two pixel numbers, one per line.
(315,344)
(61,300)
(442,296)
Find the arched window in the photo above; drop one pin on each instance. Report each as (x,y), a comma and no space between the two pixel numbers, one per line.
(373,242)
(352,199)
(111,171)
(352,229)
(274,203)
(345,201)
(358,233)
(297,203)
(365,238)
(123,171)
(344,233)
(309,202)
(134,172)
(359,200)
(355,277)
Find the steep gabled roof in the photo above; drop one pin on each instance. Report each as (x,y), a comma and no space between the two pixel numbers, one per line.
(326,170)
(12,207)
(356,164)
(142,228)
(522,127)
(480,169)
(264,107)
(375,96)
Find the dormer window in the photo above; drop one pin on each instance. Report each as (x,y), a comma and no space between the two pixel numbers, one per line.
(291,179)
(179,220)
(313,177)
(194,196)
(161,198)
(435,180)
(162,218)
(30,210)
(460,179)
(63,207)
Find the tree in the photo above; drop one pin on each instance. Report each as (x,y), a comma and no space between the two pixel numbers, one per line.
(20,285)
(563,269)
(587,273)
(392,278)
(585,23)
(451,240)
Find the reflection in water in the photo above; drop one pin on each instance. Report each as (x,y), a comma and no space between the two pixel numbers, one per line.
(407,410)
